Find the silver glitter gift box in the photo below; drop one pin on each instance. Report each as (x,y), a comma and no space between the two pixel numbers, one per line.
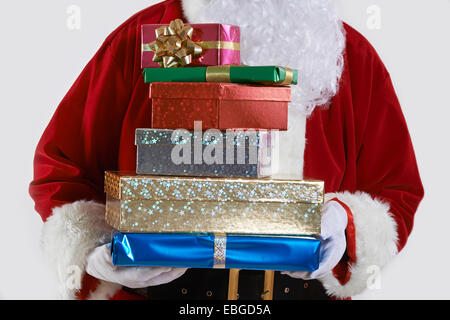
(204,154)
(152,204)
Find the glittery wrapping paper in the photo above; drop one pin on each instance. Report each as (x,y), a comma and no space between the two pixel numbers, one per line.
(267,75)
(131,186)
(219,106)
(214,205)
(202,33)
(216,251)
(250,154)
(272,218)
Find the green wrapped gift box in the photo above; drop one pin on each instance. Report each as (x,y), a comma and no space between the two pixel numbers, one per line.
(266,75)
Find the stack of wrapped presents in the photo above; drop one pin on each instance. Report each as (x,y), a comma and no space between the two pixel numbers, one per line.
(205,192)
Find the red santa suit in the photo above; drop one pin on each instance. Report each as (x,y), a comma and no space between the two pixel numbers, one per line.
(358,143)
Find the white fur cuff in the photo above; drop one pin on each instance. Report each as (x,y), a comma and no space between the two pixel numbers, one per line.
(68,236)
(376,242)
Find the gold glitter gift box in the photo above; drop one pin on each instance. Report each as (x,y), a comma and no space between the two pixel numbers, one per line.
(152,204)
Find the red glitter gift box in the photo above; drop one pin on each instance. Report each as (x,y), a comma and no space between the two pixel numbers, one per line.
(219,106)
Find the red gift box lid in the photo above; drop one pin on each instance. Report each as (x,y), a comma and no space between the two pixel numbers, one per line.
(222,91)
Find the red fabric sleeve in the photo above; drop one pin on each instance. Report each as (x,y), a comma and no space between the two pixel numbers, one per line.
(387,172)
(386,166)
(380,158)
(80,141)
(386,163)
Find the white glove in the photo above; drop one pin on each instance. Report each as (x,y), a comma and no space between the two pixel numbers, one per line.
(333,244)
(100,266)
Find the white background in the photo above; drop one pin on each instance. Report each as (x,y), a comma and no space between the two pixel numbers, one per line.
(41,57)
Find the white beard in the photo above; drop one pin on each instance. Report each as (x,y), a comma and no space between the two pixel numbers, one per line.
(301,34)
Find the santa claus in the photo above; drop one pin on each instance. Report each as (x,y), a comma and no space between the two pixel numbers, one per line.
(346,127)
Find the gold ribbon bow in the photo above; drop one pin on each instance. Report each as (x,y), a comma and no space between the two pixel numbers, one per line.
(173,46)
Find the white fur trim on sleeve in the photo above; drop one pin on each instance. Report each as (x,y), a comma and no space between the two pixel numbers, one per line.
(376,242)
(68,236)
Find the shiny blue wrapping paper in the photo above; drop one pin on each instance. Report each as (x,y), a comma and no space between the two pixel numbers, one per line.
(198,251)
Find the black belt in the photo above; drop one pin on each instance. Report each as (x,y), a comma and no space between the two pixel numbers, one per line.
(212,284)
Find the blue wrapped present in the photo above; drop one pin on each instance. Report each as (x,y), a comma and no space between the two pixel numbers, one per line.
(216,251)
